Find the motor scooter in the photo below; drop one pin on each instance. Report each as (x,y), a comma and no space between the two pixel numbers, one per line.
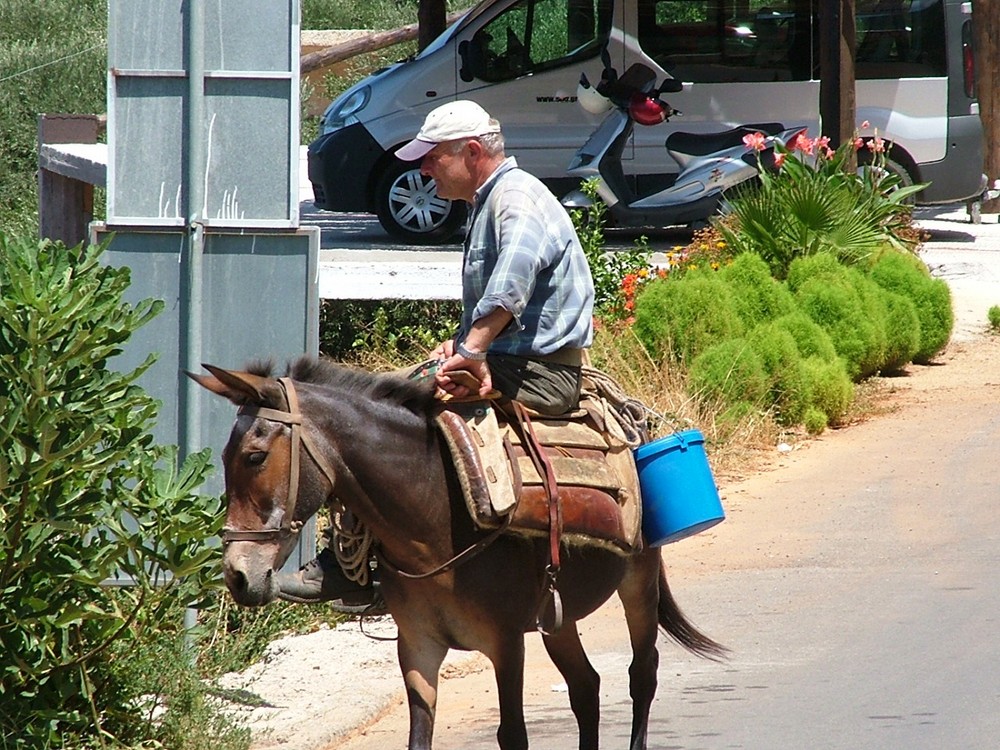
(710,163)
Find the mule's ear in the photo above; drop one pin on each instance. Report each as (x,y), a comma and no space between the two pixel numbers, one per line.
(238,387)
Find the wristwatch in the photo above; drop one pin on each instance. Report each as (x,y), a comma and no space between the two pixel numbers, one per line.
(474,356)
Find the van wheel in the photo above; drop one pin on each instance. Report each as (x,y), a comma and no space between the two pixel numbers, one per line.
(409,209)
(866,158)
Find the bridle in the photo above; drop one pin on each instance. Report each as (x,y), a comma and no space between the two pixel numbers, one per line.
(290,527)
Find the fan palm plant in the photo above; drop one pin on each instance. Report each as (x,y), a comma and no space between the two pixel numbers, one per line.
(812,202)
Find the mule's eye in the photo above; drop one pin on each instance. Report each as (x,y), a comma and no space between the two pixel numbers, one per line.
(256,458)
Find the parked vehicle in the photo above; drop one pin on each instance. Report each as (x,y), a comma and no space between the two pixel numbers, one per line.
(741,61)
(710,163)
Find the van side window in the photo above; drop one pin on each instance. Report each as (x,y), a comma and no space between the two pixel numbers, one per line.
(899,39)
(536,35)
(724,41)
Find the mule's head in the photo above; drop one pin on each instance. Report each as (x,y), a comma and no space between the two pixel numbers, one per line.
(272,487)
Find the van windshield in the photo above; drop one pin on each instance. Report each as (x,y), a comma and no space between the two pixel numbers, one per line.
(721,41)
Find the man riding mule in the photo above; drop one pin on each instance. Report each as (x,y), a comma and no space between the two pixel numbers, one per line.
(372,442)
(527,299)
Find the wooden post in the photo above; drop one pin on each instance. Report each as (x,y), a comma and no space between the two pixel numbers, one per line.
(986,23)
(65,204)
(836,87)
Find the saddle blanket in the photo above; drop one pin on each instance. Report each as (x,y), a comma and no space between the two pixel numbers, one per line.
(593,466)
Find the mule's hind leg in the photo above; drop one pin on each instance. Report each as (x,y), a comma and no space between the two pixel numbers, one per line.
(420,661)
(582,679)
(639,592)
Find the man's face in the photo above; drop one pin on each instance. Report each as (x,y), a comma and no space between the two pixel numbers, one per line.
(450,165)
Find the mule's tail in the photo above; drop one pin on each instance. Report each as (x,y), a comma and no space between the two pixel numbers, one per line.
(678,627)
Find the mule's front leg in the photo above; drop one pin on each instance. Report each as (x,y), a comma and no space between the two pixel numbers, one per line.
(508,663)
(421,662)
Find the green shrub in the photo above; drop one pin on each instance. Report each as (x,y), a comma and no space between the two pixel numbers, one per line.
(730,372)
(680,318)
(788,384)
(907,275)
(398,330)
(830,388)
(810,338)
(993,317)
(848,306)
(756,295)
(902,331)
(88,497)
(814,421)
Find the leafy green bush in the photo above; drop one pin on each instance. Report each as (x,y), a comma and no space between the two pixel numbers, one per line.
(902,331)
(788,384)
(398,330)
(830,389)
(993,316)
(680,318)
(907,275)
(730,372)
(810,338)
(757,296)
(88,498)
(847,305)
(813,203)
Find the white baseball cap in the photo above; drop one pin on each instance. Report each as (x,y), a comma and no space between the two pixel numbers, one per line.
(449,122)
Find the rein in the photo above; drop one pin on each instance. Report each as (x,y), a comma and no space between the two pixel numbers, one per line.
(290,527)
(469,552)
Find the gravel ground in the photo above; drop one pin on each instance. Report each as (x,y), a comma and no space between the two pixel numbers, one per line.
(311,689)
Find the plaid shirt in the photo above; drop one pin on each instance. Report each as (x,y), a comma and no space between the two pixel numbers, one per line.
(522,254)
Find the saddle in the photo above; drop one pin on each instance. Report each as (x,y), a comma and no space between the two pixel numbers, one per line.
(591,463)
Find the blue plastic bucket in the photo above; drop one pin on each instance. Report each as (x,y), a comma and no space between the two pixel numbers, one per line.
(679,496)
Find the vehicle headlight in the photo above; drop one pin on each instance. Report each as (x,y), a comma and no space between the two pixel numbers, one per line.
(345,111)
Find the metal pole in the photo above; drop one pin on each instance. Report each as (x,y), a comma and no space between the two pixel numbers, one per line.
(191,296)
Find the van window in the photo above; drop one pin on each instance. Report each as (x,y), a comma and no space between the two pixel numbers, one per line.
(719,41)
(535,35)
(900,39)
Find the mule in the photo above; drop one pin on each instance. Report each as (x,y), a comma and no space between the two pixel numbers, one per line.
(369,440)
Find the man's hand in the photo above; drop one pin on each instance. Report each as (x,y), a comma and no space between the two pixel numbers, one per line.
(443,350)
(479,369)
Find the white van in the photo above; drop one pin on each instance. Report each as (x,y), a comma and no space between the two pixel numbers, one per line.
(740,61)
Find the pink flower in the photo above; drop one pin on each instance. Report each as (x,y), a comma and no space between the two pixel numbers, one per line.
(779,159)
(859,143)
(805,145)
(754,141)
(876,145)
(865,125)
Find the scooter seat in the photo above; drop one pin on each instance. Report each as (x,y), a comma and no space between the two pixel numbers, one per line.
(700,144)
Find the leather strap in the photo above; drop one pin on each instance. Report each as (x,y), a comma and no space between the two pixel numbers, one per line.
(550,598)
(293,417)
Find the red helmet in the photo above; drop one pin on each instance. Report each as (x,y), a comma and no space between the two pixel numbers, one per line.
(646,110)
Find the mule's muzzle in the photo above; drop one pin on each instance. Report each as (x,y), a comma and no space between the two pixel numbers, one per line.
(249,577)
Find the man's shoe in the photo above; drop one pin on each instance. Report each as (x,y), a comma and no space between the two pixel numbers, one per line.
(323,580)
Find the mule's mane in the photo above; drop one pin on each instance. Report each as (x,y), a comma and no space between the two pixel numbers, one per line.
(414,395)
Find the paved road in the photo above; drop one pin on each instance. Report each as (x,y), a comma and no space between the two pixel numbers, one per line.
(855,584)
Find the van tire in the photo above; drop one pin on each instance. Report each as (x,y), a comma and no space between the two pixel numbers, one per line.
(866,158)
(409,209)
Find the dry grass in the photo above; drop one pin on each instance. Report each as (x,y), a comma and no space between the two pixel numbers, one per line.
(734,445)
